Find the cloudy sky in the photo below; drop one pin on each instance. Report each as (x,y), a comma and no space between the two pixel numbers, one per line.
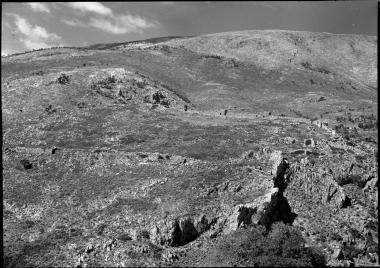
(27,26)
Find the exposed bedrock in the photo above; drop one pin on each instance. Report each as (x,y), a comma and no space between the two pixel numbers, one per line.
(266,207)
(178,232)
(317,186)
(270,207)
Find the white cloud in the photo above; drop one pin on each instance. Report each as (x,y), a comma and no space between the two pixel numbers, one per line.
(34,36)
(264,4)
(94,7)
(122,24)
(116,25)
(7,50)
(39,7)
(74,23)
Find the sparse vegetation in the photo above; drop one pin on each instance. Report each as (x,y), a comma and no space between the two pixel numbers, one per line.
(50,109)
(40,72)
(97,169)
(308,65)
(107,83)
(211,56)
(282,246)
(63,79)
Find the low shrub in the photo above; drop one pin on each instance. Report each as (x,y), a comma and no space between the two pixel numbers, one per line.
(306,65)
(63,79)
(282,246)
(367,125)
(322,70)
(105,83)
(350,252)
(40,72)
(212,56)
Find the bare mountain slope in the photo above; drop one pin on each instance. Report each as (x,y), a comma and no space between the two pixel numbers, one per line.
(354,56)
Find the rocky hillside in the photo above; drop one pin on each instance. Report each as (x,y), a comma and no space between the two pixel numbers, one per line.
(254,148)
(351,56)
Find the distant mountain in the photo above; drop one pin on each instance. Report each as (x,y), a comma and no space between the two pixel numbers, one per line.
(353,56)
(149,41)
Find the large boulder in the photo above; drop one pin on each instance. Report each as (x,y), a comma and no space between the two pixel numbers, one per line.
(166,233)
(253,213)
(177,232)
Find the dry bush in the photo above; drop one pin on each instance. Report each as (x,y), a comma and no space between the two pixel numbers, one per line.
(282,246)
(63,79)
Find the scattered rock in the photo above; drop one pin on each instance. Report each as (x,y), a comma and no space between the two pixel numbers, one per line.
(289,140)
(336,196)
(140,248)
(317,123)
(124,237)
(166,232)
(99,229)
(371,184)
(157,97)
(201,224)
(171,255)
(237,188)
(89,248)
(81,105)
(305,161)
(309,143)
(223,187)
(248,155)
(266,150)
(372,257)
(174,232)
(142,234)
(338,254)
(50,109)
(210,190)
(54,150)
(109,245)
(26,164)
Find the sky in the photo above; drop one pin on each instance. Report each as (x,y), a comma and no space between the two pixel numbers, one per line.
(27,26)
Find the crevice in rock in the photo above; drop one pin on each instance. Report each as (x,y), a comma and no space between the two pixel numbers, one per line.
(279,210)
(275,207)
(179,232)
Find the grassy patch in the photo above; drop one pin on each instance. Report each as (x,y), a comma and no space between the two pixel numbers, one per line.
(135,204)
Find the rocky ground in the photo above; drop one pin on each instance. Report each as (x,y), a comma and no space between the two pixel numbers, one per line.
(162,154)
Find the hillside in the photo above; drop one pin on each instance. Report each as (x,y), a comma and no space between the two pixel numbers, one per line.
(176,150)
(351,56)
